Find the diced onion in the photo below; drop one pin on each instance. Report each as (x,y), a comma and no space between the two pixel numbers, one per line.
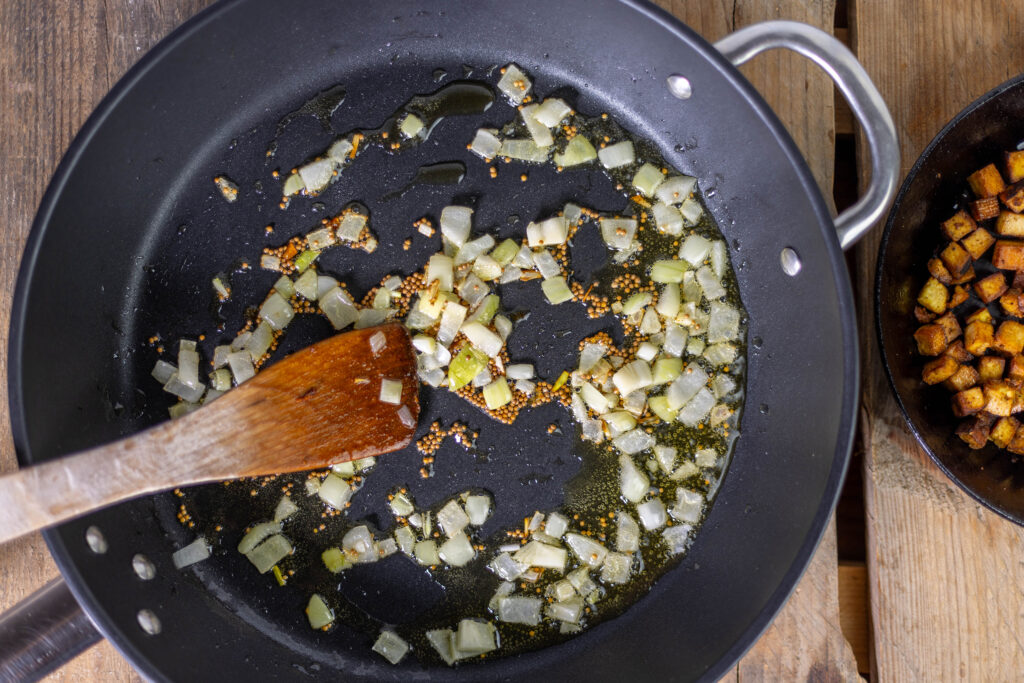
(269,552)
(652,514)
(524,150)
(391,391)
(632,482)
(615,569)
(504,566)
(163,371)
(440,269)
(482,338)
(497,394)
(537,554)
(240,363)
(285,509)
(456,222)
(196,551)
(619,154)
(457,551)
(411,127)
(443,642)
(578,151)
(389,645)
(276,311)
(677,537)
(351,227)
(477,509)
(634,441)
(627,533)
(336,306)
(568,610)
(668,270)
(676,189)
(618,233)
(556,290)
(306,285)
(514,83)
(647,179)
(551,112)
(474,638)
(426,553)
(317,174)
(520,610)
(537,130)
(633,376)
(486,144)
(335,491)
(340,150)
(548,232)
(451,320)
(358,545)
(688,507)
(691,210)
(588,551)
(405,417)
(452,518)
(697,409)
(292,185)
(319,614)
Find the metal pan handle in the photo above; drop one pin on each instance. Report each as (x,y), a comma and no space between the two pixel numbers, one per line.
(864,99)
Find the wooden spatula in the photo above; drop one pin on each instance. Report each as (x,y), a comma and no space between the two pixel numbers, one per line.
(317,407)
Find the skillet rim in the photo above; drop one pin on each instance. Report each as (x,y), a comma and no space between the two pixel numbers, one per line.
(115,632)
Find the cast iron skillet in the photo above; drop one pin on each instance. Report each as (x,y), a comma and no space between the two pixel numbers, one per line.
(936,185)
(129,233)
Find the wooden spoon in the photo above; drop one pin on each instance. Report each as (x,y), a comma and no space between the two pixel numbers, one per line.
(316,407)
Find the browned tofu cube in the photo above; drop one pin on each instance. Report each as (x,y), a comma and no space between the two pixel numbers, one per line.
(1010,224)
(991,367)
(923,315)
(967,277)
(960,224)
(1014,166)
(958,296)
(981,315)
(940,369)
(1008,255)
(931,339)
(934,296)
(974,431)
(1010,302)
(986,182)
(950,326)
(978,337)
(968,401)
(1016,445)
(1018,280)
(984,209)
(1013,197)
(999,397)
(958,352)
(1015,368)
(978,242)
(1003,430)
(988,289)
(1009,338)
(937,269)
(956,259)
(964,378)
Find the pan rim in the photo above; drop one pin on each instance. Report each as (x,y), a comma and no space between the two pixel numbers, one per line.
(890,225)
(846,318)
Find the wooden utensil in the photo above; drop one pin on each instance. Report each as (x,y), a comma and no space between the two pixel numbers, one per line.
(314,408)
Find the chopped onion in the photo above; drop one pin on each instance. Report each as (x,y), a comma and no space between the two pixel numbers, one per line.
(691,210)
(503,325)
(647,179)
(688,507)
(722,386)
(285,509)
(473,249)
(260,341)
(695,249)
(473,290)
(411,127)
(627,533)
(537,554)
(546,264)
(440,269)
(567,610)
(594,399)
(163,371)
(619,154)
(474,638)
(269,552)
(358,545)
(443,642)
(351,227)
(676,190)
(686,386)
(677,538)
(650,324)
(292,185)
(497,394)
(240,363)
(465,366)
(276,311)
(452,518)
(482,338)
(319,614)
(340,150)
(504,566)
(524,150)
(316,175)
(615,569)
(389,645)
(477,509)
(551,112)
(519,371)
(668,270)
(634,441)
(720,354)
(652,514)
(537,130)
(451,320)
(369,317)
(590,354)
(196,551)
(619,422)
(220,380)
(667,369)
(515,84)
(588,551)
(667,218)
(578,151)
(456,222)
(675,341)
(548,232)
(324,284)
(335,491)
(486,143)
(632,482)
(618,233)
(405,417)
(520,610)
(706,457)
(336,305)
(391,391)
(723,324)
(697,409)
(406,539)
(636,303)
(633,376)
(334,560)
(556,290)
(457,551)
(659,406)
(526,386)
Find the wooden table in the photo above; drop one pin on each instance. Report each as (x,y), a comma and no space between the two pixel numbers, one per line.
(944,578)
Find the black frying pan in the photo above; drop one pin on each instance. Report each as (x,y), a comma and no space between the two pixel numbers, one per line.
(935,185)
(129,233)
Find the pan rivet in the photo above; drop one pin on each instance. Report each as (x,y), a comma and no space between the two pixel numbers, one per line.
(97,542)
(790,261)
(144,569)
(149,622)
(680,86)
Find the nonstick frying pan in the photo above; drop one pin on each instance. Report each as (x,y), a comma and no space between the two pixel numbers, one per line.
(129,234)
(937,183)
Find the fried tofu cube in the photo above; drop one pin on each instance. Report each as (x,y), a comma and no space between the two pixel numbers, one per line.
(975,431)
(1009,338)
(991,367)
(1010,302)
(987,181)
(958,352)
(999,397)
(984,209)
(981,315)
(1014,166)
(960,224)
(1003,430)
(1015,368)
(1016,445)
(938,270)
(923,315)
(950,326)
(1010,224)
(967,277)
(978,242)
(931,340)
(988,289)
(958,296)
(978,337)
(968,401)
(1013,197)
(934,296)
(939,370)
(1018,280)
(956,259)
(1008,255)
(964,378)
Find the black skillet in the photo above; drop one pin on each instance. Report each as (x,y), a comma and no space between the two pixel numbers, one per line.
(934,188)
(130,232)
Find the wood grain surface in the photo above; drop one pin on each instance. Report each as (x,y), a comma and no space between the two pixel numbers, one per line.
(58,59)
(945,575)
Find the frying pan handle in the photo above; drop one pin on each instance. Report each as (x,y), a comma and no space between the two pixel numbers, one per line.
(864,99)
(42,633)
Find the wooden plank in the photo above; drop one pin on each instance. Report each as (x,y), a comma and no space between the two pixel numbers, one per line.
(805,641)
(63,57)
(945,574)
(853,612)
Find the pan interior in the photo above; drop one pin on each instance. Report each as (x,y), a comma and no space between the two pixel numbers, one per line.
(132,230)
